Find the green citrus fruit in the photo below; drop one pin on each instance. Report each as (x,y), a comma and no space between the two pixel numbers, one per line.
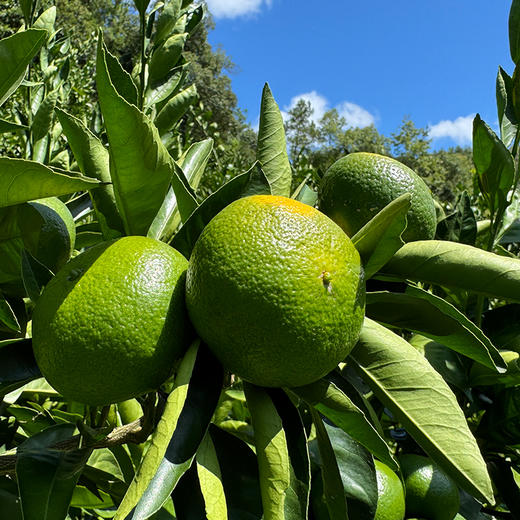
(356,187)
(390,494)
(110,325)
(430,493)
(276,290)
(45,228)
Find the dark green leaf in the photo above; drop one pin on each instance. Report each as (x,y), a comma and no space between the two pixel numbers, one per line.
(272,147)
(167,20)
(483,376)
(494,165)
(507,119)
(28,180)
(35,275)
(93,161)
(121,80)
(333,491)
(16,52)
(380,238)
(514,31)
(175,108)
(161,91)
(9,500)
(17,365)
(47,476)
(141,6)
(502,326)
(459,266)
(195,20)
(42,121)
(334,404)
(201,400)
(188,498)
(141,167)
(430,315)
(239,468)
(410,388)
(461,225)
(165,58)
(27,7)
(252,182)
(7,126)
(8,320)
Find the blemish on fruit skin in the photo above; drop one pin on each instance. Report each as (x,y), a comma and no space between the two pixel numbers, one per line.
(326,278)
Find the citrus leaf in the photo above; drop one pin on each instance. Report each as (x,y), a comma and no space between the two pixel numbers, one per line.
(17,365)
(252,182)
(16,52)
(187,496)
(46,21)
(357,472)
(42,122)
(166,87)
(198,408)
(272,147)
(22,180)
(239,468)
(332,483)
(482,376)
(405,383)
(93,161)
(9,499)
(457,265)
(435,318)
(141,6)
(122,81)
(494,164)
(8,320)
(210,479)
(35,276)
(306,195)
(514,31)
(161,435)
(175,108)
(194,160)
(165,58)
(8,126)
(46,476)
(507,119)
(140,166)
(380,237)
(281,450)
(167,20)
(334,404)
(461,225)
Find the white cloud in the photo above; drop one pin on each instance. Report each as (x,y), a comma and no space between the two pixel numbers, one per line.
(460,129)
(235,8)
(354,115)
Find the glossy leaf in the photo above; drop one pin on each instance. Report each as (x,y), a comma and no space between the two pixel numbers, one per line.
(16,52)
(167,20)
(332,484)
(17,365)
(239,468)
(8,320)
(380,238)
(175,108)
(24,180)
(252,182)
(160,437)
(459,266)
(162,90)
(141,167)
(192,163)
(8,126)
(46,21)
(507,119)
(494,165)
(47,476)
(165,58)
(272,147)
(210,479)
(93,161)
(431,316)
(407,385)
(514,31)
(281,450)
(334,404)
(460,226)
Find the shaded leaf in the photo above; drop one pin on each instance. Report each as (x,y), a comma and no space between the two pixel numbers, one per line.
(380,238)
(481,376)
(35,275)
(272,147)
(141,6)
(459,266)
(17,365)
(406,384)
(166,87)
(23,180)
(165,58)
(16,52)
(8,320)
(121,80)
(461,225)
(514,31)
(175,108)
(167,20)
(430,315)
(252,182)
(507,119)
(8,126)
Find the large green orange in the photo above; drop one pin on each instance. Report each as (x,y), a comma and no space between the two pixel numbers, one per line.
(390,494)
(430,493)
(45,228)
(356,187)
(276,289)
(111,324)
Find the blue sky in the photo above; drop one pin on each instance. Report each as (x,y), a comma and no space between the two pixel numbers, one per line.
(376,61)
